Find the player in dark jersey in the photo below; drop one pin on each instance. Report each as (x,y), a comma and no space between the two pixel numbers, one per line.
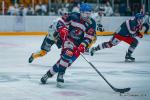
(77,31)
(127,33)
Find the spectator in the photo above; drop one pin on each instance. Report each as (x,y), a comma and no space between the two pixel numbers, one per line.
(128,11)
(30,10)
(16,9)
(44,9)
(38,10)
(122,9)
(76,8)
(22,11)
(11,10)
(108,9)
(52,12)
(62,11)
(98,19)
(116,10)
(146,23)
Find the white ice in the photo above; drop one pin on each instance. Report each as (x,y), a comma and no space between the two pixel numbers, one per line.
(20,80)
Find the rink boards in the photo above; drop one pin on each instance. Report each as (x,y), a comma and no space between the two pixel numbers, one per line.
(38,25)
(44,33)
(40,33)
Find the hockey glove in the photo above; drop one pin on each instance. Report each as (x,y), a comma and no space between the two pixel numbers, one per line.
(63,31)
(78,50)
(140,35)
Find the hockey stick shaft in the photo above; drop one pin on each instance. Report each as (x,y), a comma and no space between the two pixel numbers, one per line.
(97,71)
(115,89)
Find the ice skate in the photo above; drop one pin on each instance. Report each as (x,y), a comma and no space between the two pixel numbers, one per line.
(31,58)
(87,52)
(92,51)
(60,80)
(128,58)
(45,77)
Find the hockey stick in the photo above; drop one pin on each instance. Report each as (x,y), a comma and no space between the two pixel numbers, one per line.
(115,89)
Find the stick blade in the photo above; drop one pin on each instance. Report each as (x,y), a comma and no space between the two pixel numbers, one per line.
(122,90)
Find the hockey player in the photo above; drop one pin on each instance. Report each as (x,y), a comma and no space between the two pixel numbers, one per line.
(98,18)
(146,23)
(51,38)
(127,33)
(76,39)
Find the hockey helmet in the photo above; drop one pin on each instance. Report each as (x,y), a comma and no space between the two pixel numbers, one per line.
(139,18)
(85,10)
(84,7)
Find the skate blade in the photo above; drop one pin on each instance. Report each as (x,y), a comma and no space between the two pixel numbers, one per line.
(43,82)
(59,85)
(91,53)
(127,60)
(30,60)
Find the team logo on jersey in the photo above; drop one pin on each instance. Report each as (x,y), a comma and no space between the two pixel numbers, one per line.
(69,53)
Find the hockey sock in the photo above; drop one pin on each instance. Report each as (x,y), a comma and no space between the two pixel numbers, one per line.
(99,47)
(39,54)
(132,47)
(103,46)
(130,50)
(54,69)
(61,72)
(61,69)
(49,74)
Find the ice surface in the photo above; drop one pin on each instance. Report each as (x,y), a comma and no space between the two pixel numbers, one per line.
(20,80)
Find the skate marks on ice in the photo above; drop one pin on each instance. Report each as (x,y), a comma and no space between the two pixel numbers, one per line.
(70,93)
(6,77)
(141,73)
(9,77)
(121,61)
(101,53)
(70,88)
(74,86)
(39,65)
(4,44)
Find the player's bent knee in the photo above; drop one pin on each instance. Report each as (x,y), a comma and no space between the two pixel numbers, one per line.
(134,43)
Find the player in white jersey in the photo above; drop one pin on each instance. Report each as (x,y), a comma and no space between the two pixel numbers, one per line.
(98,18)
(51,38)
(146,23)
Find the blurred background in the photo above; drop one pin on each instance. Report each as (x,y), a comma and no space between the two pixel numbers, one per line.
(37,15)
(58,7)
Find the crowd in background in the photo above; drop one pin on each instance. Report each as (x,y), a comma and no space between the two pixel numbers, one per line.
(119,9)
(20,9)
